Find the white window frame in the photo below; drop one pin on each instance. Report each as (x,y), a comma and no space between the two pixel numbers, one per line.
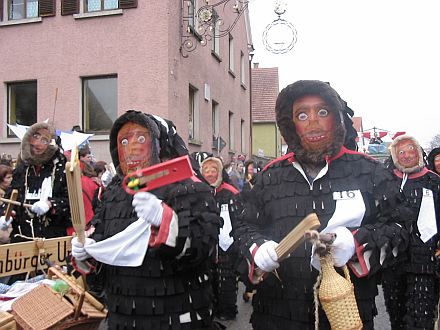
(231,131)
(215,119)
(216,39)
(231,54)
(242,69)
(242,136)
(193,112)
(8,21)
(83,13)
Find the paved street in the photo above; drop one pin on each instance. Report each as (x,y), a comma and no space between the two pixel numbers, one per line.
(244,310)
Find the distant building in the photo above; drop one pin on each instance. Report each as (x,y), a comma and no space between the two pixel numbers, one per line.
(84,62)
(266,138)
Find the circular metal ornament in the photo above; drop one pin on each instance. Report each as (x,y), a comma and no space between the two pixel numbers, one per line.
(280,36)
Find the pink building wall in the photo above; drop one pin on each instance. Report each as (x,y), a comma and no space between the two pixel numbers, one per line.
(141,46)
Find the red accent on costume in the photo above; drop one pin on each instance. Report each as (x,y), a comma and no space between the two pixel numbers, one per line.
(252,267)
(289,156)
(359,268)
(161,235)
(229,187)
(413,175)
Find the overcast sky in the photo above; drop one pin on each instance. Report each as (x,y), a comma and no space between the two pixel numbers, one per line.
(382,56)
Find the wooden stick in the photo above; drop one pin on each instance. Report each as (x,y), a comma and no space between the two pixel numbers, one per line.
(14,202)
(95,302)
(296,236)
(73,175)
(14,195)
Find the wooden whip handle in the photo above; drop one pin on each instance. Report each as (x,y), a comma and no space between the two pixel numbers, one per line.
(14,195)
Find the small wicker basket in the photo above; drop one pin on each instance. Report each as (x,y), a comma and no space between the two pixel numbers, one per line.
(336,295)
(7,321)
(42,308)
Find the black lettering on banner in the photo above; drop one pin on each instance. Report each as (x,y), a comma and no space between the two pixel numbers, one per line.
(350,194)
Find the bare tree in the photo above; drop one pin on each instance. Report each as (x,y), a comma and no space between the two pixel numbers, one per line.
(435,142)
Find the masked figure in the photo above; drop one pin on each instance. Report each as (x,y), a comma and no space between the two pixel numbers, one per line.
(176,226)
(434,160)
(350,193)
(411,288)
(225,281)
(41,181)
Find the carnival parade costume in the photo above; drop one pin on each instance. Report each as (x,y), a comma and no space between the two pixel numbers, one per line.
(350,190)
(411,288)
(225,275)
(31,174)
(171,289)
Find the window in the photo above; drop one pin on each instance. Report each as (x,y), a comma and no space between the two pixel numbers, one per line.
(20,9)
(22,103)
(231,131)
(98,5)
(192,12)
(231,54)
(216,38)
(215,119)
(242,69)
(99,103)
(193,112)
(243,137)
(25,11)
(95,7)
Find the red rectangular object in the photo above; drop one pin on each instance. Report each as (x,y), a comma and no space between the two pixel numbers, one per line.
(159,175)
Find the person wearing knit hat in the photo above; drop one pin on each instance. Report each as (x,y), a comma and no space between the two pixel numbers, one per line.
(434,160)
(225,276)
(353,195)
(155,247)
(411,288)
(40,180)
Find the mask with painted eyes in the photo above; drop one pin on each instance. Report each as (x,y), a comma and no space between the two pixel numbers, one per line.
(134,147)
(314,123)
(407,154)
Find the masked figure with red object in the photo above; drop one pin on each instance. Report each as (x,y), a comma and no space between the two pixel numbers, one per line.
(353,195)
(411,288)
(176,227)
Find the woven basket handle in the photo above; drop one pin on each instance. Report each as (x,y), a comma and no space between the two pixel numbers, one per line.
(346,273)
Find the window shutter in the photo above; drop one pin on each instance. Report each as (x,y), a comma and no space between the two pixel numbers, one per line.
(46,8)
(69,7)
(125,4)
(1,10)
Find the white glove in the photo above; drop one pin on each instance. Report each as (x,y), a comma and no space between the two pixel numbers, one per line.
(148,207)
(4,224)
(266,257)
(78,249)
(343,247)
(106,178)
(40,208)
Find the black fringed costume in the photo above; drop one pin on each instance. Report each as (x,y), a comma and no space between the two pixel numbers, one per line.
(225,272)
(28,177)
(321,180)
(172,288)
(282,198)
(411,289)
(225,275)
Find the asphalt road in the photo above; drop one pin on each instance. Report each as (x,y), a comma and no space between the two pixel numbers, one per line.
(381,321)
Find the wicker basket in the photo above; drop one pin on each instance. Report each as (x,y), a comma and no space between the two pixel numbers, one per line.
(42,308)
(336,295)
(7,321)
